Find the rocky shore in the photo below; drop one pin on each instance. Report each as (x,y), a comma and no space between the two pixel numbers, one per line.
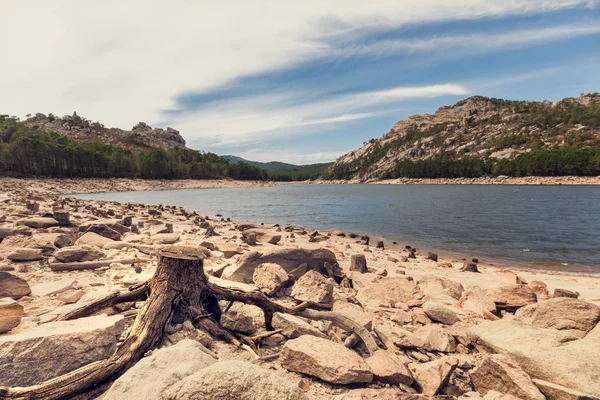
(422,326)
(500,180)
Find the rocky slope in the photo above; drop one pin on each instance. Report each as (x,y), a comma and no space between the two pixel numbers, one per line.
(477,127)
(141,137)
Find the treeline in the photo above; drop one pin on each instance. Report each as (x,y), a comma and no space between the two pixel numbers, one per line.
(299,173)
(28,151)
(561,162)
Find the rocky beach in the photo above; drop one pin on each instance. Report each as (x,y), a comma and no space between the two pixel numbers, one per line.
(343,316)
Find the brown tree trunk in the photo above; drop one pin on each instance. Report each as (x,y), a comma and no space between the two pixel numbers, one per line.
(179,280)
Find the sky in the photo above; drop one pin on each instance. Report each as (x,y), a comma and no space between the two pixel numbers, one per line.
(298,81)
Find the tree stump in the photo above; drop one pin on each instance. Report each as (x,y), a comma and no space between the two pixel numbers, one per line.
(62,217)
(358,262)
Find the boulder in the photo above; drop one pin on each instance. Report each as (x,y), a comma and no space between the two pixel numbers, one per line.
(165,238)
(93,239)
(313,286)
(565,293)
(513,297)
(327,360)
(25,254)
(436,338)
(12,286)
(553,391)
(501,373)
(540,289)
(275,239)
(232,379)
(441,313)
(354,312)
(70,296)
(294,327)
(238,321)
(387,291)
(229,250)
(38,222)
(55,348)
(10,314)
(79,253)
(389,368)
(111,229)
(434,286)
(150,377)
(269,278)
(288,259)
(358,262)
(477,300)
(434,375)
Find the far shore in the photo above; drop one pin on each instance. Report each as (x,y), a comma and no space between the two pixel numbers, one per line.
(501,180)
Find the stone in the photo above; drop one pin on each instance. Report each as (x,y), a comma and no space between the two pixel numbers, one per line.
(70,296)
(387,291)
(469,267)
(354,312)
(275,239)
(165,238)
(238,321)
(38,222)
(564,314)
(477,301)
(540,289)
(553,391)
(150,377)
(232,379)
(441,313)
(513,297)
(358,262)
(338,233)
(55,348)
(11,313)
(565,293)
(390,368)
(294,327)
(229,250)
(327,360)
(25,254)
(434,375)
(402,317)
(434,286)
(93,239)
(111,229)
(269,278)
(313,286)
(78,253)
(289,259)
(436,338)
(12,286)
(501,373)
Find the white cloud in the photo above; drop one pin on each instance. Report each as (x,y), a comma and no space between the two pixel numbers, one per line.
(124,61)
(245,120)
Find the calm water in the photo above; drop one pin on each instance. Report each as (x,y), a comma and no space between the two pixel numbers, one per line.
(537,226)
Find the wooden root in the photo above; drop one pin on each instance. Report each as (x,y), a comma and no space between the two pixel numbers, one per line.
(74,266)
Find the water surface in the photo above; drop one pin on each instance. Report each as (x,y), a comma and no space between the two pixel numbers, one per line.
(537,226)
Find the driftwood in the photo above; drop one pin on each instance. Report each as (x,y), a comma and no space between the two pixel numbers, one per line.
(179,287)
(74,266)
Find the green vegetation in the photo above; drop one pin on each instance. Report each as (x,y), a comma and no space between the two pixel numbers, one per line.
(28,151)
(278,171)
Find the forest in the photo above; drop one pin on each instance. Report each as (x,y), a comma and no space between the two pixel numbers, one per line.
(26,151)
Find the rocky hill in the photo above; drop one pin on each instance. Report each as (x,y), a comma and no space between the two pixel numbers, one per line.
(477,128)
(141,137)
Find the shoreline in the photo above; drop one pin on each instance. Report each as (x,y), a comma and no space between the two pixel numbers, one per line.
(527,180)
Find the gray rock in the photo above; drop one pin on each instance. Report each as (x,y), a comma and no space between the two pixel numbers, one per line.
(313,286)
(441,313)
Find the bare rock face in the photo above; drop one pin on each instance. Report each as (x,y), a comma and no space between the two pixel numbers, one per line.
(78,253)
(441,313)
(327,360)
(434,375)
(501,373)
(38,222)
(10,314)
(390,368)
(294,327)
(153,375)
(25,254)
(313,286)
(269,278)
(233,380)
(53,349)
(288,259)
(12,286)
(513,297)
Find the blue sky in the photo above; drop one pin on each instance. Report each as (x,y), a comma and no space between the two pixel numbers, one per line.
(299,82)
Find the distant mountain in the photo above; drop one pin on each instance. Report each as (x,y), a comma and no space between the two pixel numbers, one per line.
(481,136)
(280,171)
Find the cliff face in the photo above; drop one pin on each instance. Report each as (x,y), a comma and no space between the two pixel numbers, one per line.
(140,138)
(477,127)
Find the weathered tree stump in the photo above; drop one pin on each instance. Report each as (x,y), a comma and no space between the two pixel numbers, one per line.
(358,262)
(62,217)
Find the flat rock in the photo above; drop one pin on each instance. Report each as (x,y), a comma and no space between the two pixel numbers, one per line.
(232,379)
(25,254)
(165,238)
(327,360)
(441,313)
(38,222)
(10,314)
(294,327)
(53,349)
(564,313)
(93,239)
(79,253)
(477,300)
(313,286)
(150,377)
(12,286)
(434,375)
(513,297)
(229,250)
(553,391)
(501,373)
(354,312)
(389,368)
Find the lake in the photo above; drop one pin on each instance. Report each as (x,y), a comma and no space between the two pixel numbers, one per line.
(550,227)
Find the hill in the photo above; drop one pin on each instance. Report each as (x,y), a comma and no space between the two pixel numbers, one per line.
(280,171)
(481,136)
